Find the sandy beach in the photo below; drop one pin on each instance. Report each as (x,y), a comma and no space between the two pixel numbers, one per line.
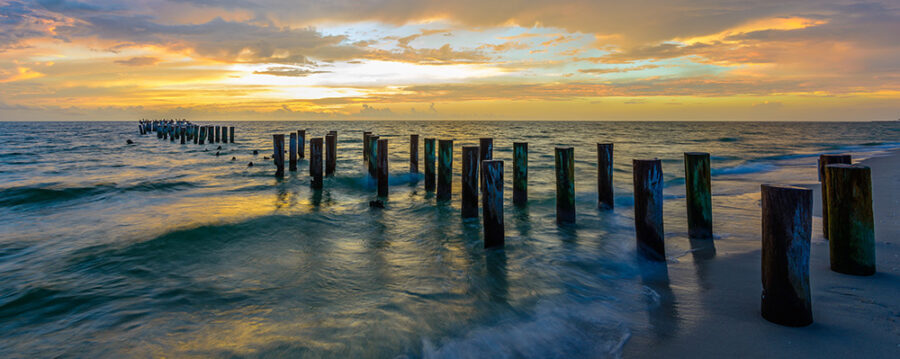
(710,308)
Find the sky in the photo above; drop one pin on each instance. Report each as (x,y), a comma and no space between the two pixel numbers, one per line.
(804,60)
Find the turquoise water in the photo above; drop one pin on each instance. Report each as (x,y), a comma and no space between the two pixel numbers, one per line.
(163,249)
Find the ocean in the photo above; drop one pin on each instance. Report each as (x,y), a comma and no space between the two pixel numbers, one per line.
(155,248)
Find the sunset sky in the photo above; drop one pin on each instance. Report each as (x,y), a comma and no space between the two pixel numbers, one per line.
(427,59)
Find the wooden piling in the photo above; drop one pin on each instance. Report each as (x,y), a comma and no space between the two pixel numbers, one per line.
(231,135)
(301,143)
(605,197)
(382,160)
(196,134)
(851,235)
(224,134)
(520,173)
(182,136)
(786,233)
(492,203)
(469,193)
(202,134)
(429,164)
(372,156)
(330,153)
(485,149)
(218,139)
(697,185)
(648,209)
(278,154)
(485,153)
(209,134)
(413,153)
(825,160)
(366,135)
(445,170)
(292,154)
(565,184)
(315,163)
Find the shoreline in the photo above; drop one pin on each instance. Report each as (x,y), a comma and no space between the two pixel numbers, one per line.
(853,316)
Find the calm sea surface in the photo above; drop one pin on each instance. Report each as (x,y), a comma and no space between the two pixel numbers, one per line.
(162,249)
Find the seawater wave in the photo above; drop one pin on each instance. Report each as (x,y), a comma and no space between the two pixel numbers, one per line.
(44,194)
(159,249)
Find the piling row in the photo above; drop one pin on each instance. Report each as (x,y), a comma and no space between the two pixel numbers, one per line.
(184,131)
(786,211)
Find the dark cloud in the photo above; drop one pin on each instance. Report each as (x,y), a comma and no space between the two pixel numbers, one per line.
(444,55)
(139,61)
(616,70)
(369,111)
(289,71)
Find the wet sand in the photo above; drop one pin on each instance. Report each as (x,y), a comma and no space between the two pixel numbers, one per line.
(710,306)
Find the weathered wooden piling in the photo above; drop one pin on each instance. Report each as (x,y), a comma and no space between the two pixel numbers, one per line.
(224,134)
(278,154)
(202,134)
(492,203)
(366,135)
(825,160)
(520,173)
(196,134)
(383,169)
(292,153)
(315,163)
(697,185)
(565,184)
(171,133)
(445,170)
(786,233)
(648,209)
(485,149)
(851,233)
(469,193)
(218,139)
(372,156)
(330,153)
(413,153)
(159,134)
(429,164)
(209,134)
(182,136)
(485,153)
(605,196)
(301,143)
(231,135)
(141,129)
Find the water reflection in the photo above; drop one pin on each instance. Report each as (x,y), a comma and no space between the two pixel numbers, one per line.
(498,285)
(315,199)
(522,221)
(703,251)
(662,313)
